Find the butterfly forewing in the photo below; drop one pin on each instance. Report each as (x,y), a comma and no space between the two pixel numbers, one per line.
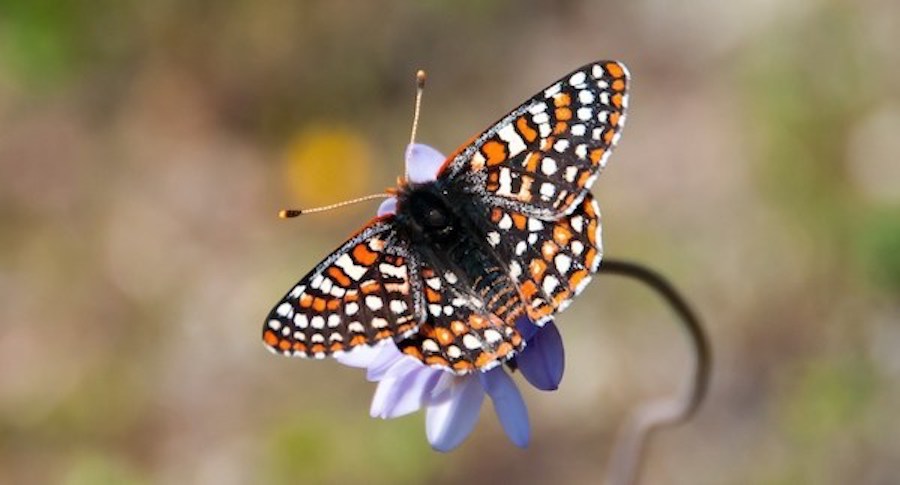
(542,157)
(365,291)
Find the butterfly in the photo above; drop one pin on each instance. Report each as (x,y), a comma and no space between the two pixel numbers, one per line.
(508,228)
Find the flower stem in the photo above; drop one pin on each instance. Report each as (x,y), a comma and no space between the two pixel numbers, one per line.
(628,451)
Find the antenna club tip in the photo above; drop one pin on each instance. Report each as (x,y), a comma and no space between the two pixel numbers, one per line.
(288,213)
(421,77)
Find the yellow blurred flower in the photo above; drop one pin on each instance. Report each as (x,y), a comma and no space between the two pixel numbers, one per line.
(324,164)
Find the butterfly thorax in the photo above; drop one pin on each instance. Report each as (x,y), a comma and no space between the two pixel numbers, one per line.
(443,229)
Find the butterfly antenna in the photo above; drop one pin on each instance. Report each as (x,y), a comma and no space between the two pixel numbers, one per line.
(288,213)
(420,88)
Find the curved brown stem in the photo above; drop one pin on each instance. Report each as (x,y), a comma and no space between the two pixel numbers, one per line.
(627,455)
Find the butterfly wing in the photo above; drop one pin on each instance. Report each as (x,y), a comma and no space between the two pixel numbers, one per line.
(365,291)
(541,158)
(465,329)
(549,261)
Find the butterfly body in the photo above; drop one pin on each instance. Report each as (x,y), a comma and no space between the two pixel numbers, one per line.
(506,229)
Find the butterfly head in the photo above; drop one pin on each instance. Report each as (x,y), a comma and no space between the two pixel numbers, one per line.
(424,211)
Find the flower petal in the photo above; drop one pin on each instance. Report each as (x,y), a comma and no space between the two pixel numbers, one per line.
(389,206)
(361,356)
(448,423)
(543,361)
(508,404)
(526,327)
(403,391)
(422,163)
(382,363)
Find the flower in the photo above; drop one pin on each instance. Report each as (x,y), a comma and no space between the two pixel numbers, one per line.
(453,402)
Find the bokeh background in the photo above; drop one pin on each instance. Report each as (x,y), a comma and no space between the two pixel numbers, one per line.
(145,148)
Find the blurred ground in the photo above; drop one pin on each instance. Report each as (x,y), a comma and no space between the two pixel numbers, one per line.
(146,146)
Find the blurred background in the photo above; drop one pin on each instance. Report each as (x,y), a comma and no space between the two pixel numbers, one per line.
(145,148)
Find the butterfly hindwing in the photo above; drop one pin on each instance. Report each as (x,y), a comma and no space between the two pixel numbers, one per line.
(542,157)
(550,261)
(463,330)
(362,293)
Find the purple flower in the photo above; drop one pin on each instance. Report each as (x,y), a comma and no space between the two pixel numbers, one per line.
(452,403)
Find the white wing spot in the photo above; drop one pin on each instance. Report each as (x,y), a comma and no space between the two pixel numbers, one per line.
(581,153)
(374,303)
(563,263)
(515,270)
(316,281)
(333,320)
(585,96)
(391,270)
(548,165)
(398,306)
(547,190)
(351,308)
(584,113)
(520,248)
(577,223)
(430,345)
(538,108)
(492,336)
(577,247)
(553,90)
(577,78)
(285,310)
(454,352)
(550,283)
(471,342)
(353,270)
(513,140)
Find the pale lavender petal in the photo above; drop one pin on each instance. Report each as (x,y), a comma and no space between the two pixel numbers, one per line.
(543,361)
(441,389)
(422,163)
(403,391)
(508,404)
(383,362)
(389,206)
(361,356)
(448,423)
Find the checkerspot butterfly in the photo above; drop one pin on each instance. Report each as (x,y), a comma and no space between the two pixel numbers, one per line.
(508,228)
